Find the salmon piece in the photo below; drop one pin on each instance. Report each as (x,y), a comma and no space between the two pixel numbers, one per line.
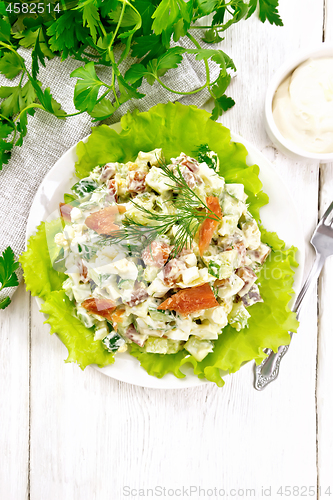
(156,254)
(208,226)
(103,307)
(102,221)
(116,317)
(65,211)
(190,300)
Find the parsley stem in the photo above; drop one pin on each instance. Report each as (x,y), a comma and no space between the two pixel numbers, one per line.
(113,79)
(103,95)
(118,24)
(3,117)
(100,25)
(200,27)
(129,40)
(111,54)
(23,73)
(9,47)
(207,84)
(90,55)
(40,106)
(177,91)
(32,105)
(198,46)
(74,114)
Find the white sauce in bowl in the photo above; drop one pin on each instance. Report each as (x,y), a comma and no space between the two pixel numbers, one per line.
(303,106)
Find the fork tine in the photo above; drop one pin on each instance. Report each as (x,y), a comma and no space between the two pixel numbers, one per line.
(326,215)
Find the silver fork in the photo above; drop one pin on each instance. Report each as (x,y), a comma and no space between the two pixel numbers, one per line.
(322,241)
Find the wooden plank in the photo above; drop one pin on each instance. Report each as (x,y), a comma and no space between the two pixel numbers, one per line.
(325,339)
(328,29)
(325,346)
(91,436)
(14,398)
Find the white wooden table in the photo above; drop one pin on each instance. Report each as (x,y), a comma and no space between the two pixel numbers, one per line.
(67,434)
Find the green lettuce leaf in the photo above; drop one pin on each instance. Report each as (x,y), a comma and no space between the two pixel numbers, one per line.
(79,340)
(159,365)
(39,275)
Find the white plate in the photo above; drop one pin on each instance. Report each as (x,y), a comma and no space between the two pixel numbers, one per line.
(279,215)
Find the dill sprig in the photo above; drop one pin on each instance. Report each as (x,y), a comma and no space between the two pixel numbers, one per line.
(191,211)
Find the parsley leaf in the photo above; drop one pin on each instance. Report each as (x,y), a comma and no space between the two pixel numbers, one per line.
(11,64)
(221,101)
(107,6)
(207,6)
(5,130)
(212,36)
(135,74)
(155,68)
(184,23)
(5,302)
(222,104)
(222,83)
(87,87)
(128,18)
(166,15)
(5,148)
(151,45)
(8,277)
(90,16)
(170,59)
(45,98)
(268,9)
(37,55)
(13,102)
(102,110)
(127,92)
(146,10)
(67,33)
(239,10)
(218,56)
(5,27)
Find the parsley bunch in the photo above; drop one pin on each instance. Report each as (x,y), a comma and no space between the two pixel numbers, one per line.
(144,33)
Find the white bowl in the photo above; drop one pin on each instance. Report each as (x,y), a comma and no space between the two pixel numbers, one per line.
(284,145)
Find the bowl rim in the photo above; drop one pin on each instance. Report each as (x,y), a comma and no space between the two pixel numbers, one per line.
(297,58)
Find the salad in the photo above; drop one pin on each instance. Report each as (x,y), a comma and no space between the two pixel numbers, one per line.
(161,283)
(159,251)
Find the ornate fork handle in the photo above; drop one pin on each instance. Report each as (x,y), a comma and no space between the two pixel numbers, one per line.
(268,370)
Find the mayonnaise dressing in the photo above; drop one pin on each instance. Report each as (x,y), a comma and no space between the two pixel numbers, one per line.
(303,106)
